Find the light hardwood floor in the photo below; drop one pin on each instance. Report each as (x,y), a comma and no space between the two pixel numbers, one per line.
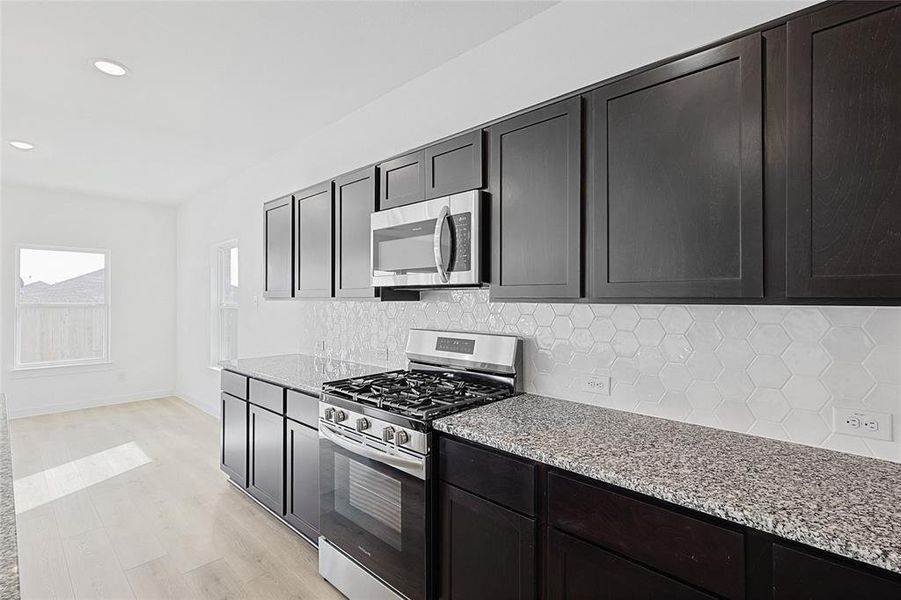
(128,501)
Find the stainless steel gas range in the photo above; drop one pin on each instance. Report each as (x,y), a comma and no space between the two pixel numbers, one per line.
(376,458)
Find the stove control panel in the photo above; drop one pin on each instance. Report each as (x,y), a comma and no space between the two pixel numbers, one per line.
(384,434)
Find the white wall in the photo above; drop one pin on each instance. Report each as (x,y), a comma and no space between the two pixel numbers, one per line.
(141,239)
(566,47)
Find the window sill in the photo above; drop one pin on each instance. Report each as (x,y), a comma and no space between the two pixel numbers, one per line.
(57,370)
(216,368)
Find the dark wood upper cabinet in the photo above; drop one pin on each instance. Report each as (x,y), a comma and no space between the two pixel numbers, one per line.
(674,164)
(487,551)
(844,152)
(534,180)
(402,180)
(454,166)
(278,231)
(313,231)
(355,201)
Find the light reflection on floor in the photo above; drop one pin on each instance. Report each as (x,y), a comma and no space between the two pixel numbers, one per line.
(51,484)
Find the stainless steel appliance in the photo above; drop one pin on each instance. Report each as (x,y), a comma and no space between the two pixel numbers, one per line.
(376,458)
(428,244)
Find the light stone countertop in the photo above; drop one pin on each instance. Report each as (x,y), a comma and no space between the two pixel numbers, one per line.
(299,371)
(9,556)
(841,503)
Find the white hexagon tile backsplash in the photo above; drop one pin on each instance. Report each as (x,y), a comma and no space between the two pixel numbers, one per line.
(774,371)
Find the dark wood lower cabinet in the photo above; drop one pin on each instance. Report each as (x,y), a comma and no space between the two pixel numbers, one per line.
(233,455)
(302,472)
(487,551)
(594,541)
(799,575)
(577,570)
(266,477)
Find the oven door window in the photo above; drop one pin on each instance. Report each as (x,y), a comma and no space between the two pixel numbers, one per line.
(376,514)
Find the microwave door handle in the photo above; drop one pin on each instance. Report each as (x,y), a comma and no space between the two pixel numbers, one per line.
(413,466)
(436,243)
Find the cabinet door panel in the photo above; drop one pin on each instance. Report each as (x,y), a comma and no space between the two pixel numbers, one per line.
(278,225)
(675,197)
(313,232)
(354,203)
(844,172)
(302,501)
(267,459)
(233,459)
(536,205)
(402,181)
(454,166)
(577,570)
(798,575)
(486,551)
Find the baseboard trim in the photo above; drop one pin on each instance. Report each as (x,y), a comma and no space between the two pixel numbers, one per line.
(49,409)
(210,408)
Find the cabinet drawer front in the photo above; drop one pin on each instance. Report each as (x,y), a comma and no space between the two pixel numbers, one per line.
(303,408)
(797,574)
(578,570)
(268,396)
(700,553)
(233,384)
(503,479)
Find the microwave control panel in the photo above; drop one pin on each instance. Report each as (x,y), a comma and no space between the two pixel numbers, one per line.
(461,232)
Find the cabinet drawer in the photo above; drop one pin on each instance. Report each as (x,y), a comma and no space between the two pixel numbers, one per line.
(303,408)
(695,551)
(797,574)
(233,384)
(267,395)
(577,570)
(503,479)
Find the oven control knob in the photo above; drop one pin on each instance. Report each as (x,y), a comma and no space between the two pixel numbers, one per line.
(362,424)
(340,415)
(402,437)
(388,434)
(329,414)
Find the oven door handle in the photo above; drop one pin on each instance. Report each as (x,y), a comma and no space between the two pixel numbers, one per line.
(413,466)
(436,242)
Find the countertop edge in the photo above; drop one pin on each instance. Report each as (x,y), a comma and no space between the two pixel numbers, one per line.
(9,559)
(767,523)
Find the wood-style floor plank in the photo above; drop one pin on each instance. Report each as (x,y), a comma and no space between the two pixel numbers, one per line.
(128,501)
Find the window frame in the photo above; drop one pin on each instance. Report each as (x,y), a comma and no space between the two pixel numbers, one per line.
(107,358)
(217,304)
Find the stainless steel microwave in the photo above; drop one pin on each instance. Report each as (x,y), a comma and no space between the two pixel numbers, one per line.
(428,244)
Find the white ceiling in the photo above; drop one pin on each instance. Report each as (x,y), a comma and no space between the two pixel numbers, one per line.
(214,87)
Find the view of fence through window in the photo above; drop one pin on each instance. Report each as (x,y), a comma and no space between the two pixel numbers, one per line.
(228,301)
(62,307)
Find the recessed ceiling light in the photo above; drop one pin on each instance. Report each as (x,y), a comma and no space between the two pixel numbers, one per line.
(109,67)
(21,145)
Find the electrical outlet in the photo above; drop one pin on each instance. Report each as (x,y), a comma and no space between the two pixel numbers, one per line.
(851,421)
(596,384)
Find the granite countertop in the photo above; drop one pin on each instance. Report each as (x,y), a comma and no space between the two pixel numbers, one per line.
(299,371)
(9,556)
(845,504)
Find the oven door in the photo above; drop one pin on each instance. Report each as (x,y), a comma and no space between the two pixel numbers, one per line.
(373,507)
(432,243)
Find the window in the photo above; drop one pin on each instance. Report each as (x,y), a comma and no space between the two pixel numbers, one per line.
(62,307)
(225,341)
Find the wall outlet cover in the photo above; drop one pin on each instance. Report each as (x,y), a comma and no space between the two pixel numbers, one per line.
(596,384)
(862,423)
